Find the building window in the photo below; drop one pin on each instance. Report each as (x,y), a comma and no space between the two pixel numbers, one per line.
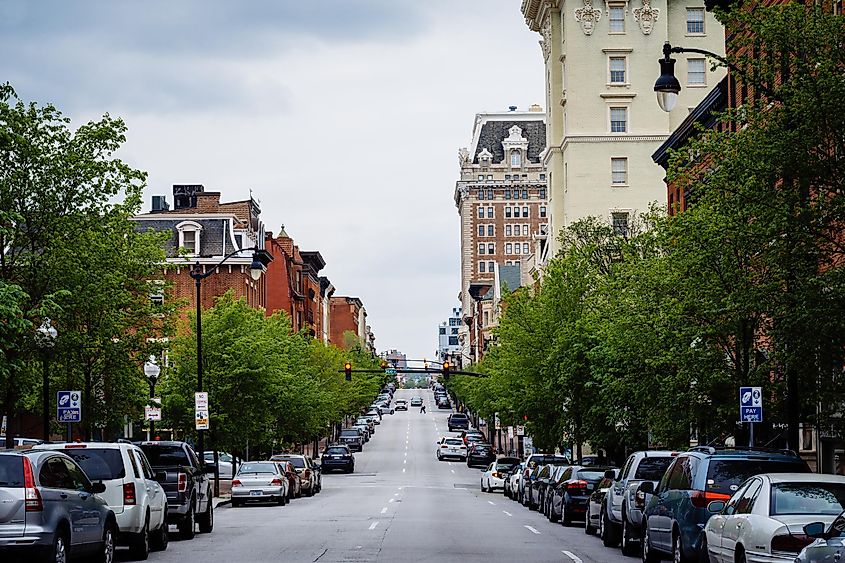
(542,177)
(491,248)
(620,223)
(489,176)
(524,194)
(525,248)
(695,21)
(489,194)
(189,236)
(525,212)
(507,176)
(542,193)
(619,171)
(482,267)
(696,75)
(507,194)
(508,248)
(443,330)
(516,159)
(542,211)
(156,292)
(454,331)
(544,229)
(490,267)
(525,230)
(480,194)
(453,341)
(489,212)
(480,212)
(516,211)
(482,248)
(481,230)
(481,177)
(507,230)
(616,16)
(617,70)
(507,212)
(490,230)
(618,120)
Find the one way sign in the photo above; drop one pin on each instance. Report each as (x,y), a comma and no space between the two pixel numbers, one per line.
(751,404)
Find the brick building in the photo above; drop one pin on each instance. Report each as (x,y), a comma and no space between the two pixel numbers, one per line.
(203,231)
(348,314)
(295,286)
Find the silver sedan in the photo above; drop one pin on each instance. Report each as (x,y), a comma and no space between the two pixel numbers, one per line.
(829,544)
(263,481)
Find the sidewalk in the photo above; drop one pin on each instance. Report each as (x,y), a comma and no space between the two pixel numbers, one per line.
(225,493)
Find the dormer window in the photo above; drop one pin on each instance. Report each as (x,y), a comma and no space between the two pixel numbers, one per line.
(189,236)
(516,159)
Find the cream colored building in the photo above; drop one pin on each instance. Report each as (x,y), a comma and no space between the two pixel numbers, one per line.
(603,121)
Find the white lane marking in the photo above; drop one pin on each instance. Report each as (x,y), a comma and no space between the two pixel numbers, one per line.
(572,556)
(383,510)
(491,502)
(508,513)
(532,530)
(391,500)
(373,525)
(452,470)
(403,470)
(406,454)
(404,461)
(396,494)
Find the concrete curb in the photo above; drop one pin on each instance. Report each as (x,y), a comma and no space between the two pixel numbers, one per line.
(221,502)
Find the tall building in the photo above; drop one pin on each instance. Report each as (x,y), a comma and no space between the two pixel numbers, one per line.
(603,120)
(348,315)
(448,345)
(502,202)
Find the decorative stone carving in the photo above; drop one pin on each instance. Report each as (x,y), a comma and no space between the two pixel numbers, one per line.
(646,15)
(484,157)
(546,41)
(588,16)
(463,157)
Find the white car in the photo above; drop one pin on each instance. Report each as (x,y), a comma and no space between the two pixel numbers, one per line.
(765,517)
(451,447)
(494,476)
(224,463)
(137,499)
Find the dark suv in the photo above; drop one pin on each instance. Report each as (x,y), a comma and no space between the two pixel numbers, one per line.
(458,421)
(674,519)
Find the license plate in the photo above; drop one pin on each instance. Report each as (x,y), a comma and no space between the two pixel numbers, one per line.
(337,457)
(590,487)
(255,493)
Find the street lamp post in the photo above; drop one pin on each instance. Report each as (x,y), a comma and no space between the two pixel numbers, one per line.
(45,339)
(667,86)
(197,273)
(152,371)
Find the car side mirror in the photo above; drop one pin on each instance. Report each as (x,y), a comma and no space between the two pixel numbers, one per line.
(716,506)
(610,474)
(98,487)
(814,530)
(646,487)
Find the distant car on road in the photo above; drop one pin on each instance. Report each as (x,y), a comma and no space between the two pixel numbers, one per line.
(352,437)
(416,401)
(262,481)
(494,476)
(309,473)
(337,456)
(401,405)
(570,495)
(451,447)
(480,453)
(444,404)
(457,421)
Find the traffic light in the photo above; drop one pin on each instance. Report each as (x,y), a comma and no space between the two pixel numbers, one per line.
(445,370)
(384,365)
(347,369)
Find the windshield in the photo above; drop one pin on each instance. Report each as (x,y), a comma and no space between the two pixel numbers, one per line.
(725,475)
(297,462)
(165,455)
(652,468)
(99,464)
(11,471)
(251,467)
(807,498)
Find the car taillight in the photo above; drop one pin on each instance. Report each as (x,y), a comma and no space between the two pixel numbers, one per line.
(700,499)
(277,482)
(182,483)
(236,482)
(307,473)
(129,493)
(639,499)
(792,543)
(576,485)
(497,475)
(31,495)
(444,446)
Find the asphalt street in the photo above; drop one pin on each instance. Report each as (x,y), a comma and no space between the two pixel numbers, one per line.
(401,504)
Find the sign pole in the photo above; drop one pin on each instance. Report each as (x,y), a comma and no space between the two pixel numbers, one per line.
(751,435)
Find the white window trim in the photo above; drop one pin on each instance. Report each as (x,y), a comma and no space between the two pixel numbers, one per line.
(624,6)
(703,21)
(627,82)
(627,175)
(185,226)
(697,85)
(615,104)
(610,213)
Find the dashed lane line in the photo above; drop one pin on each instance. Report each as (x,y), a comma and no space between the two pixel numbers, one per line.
(491,502)
(383,510)
(530,529)
(452,470)
(575,558)
(508,513)
(373,525)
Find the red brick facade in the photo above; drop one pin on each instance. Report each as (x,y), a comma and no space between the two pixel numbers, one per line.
(345,314)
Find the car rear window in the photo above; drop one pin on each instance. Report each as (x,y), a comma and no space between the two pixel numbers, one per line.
(807,498)
(725,475)
(454,441)
(349,433)
(99,464)
(652,468)
(337,451)
(11,471)
(165,455)
(297,462)
(591,475)
(459,417)
(549,459)
(257,468)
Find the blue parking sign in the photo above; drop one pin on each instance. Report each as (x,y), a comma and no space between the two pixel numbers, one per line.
(751,404)
(69,406)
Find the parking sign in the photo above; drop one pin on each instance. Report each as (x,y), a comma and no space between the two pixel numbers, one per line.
(751,404)
(69,406)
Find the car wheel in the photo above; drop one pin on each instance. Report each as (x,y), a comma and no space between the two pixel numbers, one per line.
(553,517)
(483,490)
(678,550)
(629,546)
(106,552)
(186,525)
(565,516)
(206,520)
(588,527)
(161,537)
(58,551)
(236,503)
(648,555)
(608,531)
(139,544)
(703,554)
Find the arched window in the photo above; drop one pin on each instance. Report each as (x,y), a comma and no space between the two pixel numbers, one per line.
(516,159)
(189,236)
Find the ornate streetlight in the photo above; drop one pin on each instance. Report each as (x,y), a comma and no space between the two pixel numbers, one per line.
(45,340)
(152,371)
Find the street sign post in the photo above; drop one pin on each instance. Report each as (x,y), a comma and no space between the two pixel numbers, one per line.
(201,410)
(153,410)
(751,408)
(520,431)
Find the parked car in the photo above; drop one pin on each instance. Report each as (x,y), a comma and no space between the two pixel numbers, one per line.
(472,435)
(365,431)
(555,477)
(416,401)
(261,481)
(187,485)
(309,472)
(225,463)
(444,404)
(765,517)
(622,513)
(494,476)
(480,453)
(592,518)
(511,485)
(571,494)
(675,516)
(137,499)
(20,442)
(451,447)
(374,415)
(368,421)
(352,437)
(337,456)
(457,421)
(43,493)
(530,493)
(828,543)
(401,405)
(531,463)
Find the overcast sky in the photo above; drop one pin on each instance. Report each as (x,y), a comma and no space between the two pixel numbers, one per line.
(344,118)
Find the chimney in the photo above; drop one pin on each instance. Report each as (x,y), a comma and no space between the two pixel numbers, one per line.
(535,108)
(512,108)
(159,204)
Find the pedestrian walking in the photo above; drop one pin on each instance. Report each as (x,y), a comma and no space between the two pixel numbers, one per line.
(422,409)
